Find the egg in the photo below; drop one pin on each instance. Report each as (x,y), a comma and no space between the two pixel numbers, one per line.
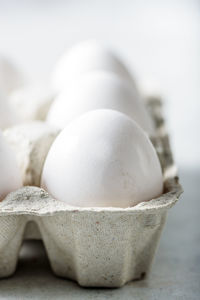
(83,58)
(32,102)
(10,176)
(99,90)
(30,142)
(10,76)
(8,116)
(102,159)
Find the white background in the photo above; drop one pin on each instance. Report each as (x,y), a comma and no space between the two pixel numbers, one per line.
(159,40)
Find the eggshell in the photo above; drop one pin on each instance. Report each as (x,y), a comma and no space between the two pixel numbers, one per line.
(7,114)
(30,143)
(102,159)
(10,77)
(32,102)
(10,179)
(83,58)
(99,90)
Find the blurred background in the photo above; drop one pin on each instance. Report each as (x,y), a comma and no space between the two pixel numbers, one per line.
(160,41)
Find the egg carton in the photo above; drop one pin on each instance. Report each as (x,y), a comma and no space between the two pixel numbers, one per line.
(97,247)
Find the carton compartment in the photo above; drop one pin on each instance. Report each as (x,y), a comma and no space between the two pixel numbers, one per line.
(97,247)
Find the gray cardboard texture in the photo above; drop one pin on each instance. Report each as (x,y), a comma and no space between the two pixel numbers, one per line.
(97,247)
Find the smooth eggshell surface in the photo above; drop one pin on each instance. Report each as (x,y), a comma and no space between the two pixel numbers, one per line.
(102,159)
(99,90)
(83,58)
(10,176)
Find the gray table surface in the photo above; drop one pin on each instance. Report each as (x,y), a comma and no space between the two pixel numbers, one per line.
(175,273)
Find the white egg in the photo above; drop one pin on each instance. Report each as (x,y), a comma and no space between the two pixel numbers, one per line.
(30,142)
(10,176)
(99,90)
(83,58)
(10,77)
(102,159)
(7,114)
(32,102)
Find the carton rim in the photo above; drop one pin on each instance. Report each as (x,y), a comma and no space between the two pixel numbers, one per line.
(35,201)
